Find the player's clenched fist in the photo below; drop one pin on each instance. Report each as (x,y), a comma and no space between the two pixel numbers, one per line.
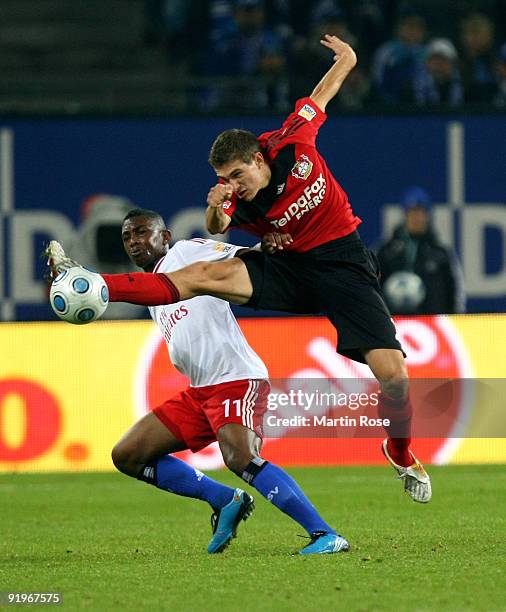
(219,194)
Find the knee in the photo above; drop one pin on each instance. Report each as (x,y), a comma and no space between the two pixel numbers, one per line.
(396,385)
(198,271)
(394,380)
(124,460)
(204,272)
(236,459)
(197,277)
(119,457)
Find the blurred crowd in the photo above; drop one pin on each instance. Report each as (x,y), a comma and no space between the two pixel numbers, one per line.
(263,54)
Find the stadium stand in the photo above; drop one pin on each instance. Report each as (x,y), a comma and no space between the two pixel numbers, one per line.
(76,57)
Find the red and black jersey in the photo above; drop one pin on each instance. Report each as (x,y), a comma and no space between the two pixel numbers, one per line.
(303,198)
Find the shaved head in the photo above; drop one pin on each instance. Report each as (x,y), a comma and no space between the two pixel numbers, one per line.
(157,219)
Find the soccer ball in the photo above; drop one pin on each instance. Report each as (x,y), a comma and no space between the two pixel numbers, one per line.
(79,296)
(404,291)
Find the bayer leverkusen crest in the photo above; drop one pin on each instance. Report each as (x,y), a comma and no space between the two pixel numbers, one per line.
(302,168)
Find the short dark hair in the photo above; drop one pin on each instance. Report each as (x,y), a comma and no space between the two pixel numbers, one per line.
(231,145)
(145,212)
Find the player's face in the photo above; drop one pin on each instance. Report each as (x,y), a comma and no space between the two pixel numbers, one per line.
(246,179)
(145,242)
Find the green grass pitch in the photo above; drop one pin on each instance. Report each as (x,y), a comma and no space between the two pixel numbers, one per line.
(108,542)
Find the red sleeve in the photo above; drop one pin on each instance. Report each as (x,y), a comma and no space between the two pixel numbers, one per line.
(300,127)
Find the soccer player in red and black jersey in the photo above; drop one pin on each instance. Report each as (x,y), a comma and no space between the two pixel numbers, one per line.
(317,263)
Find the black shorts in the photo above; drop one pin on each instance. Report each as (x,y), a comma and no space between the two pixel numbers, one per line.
(338,279)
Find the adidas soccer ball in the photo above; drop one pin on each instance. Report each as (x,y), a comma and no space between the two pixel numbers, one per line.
(404,291)
(79,296)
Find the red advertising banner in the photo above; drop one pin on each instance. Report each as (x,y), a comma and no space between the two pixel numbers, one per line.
(68,393)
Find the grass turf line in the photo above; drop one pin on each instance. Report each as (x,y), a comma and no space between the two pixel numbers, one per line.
(108,542)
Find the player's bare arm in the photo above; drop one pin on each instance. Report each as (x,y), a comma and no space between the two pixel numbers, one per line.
(217,220)
(344,61)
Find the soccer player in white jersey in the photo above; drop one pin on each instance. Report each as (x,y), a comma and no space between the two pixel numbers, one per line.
(226,399)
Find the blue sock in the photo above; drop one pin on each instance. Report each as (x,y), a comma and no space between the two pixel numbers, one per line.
(176,476)
(282,490)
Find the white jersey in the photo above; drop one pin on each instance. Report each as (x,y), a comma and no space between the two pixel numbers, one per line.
(204,339)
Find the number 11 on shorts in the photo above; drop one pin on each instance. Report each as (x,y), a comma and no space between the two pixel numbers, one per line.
(237,404)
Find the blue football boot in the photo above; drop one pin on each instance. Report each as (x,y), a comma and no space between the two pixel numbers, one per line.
(226,520)
(324,543)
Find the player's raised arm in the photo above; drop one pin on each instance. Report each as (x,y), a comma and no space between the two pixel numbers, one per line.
(217,220)
(344,61)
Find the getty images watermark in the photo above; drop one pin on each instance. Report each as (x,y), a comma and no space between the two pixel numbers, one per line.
(348,408)
(312,408)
